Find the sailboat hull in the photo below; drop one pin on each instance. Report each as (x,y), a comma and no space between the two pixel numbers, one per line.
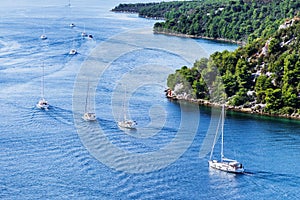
(231,167)
(43,37)
(127,124)
(89,117)
(72,52)
(42,104)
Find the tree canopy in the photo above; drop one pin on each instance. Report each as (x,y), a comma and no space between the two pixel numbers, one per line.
(263,75)
(238,20)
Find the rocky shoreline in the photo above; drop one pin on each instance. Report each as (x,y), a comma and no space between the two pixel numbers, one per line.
(198,37)
(207,103)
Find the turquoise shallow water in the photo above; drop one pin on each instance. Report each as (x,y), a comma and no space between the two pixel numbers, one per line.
(55,155)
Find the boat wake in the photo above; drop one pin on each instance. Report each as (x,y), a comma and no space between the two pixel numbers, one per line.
(61,115)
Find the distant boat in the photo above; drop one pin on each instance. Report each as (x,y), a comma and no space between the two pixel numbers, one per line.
(73,51)
(84,34)
(72,25)
(90,36)
(42,104)
(43,36)
(126,123)
(88,115)
(224,164)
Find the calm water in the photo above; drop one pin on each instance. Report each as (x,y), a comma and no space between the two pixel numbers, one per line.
(55,155)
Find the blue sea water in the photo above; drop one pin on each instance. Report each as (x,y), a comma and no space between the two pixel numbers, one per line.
(54,154)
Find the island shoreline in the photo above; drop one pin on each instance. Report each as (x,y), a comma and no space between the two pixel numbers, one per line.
(240,43)
(207,103)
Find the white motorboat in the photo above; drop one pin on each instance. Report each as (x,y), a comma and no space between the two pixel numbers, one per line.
(224,164)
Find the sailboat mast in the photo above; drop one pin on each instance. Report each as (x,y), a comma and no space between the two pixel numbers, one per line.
(222,131)
(124,107)
(86,98)
(215,139)
(42,83)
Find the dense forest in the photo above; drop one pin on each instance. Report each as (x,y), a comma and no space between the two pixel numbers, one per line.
(262,76)
(240,21)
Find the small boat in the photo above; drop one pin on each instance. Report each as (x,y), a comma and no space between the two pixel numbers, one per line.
(84,34)
(72,25)
(43,36)
(224,164)
(130,124)
(42,104)
(126,123)
(88,115)
(90,36)
(72,52)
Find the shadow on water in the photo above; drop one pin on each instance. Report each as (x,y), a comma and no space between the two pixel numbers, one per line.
(262,118)
(275,177)
(265,175)
(61,115)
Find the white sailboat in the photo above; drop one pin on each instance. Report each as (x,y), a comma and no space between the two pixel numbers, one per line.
(73,51)
(126,123)
(88,115)
(72,25)
(224,164)
(84,34)
(43,36)
(42,104)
